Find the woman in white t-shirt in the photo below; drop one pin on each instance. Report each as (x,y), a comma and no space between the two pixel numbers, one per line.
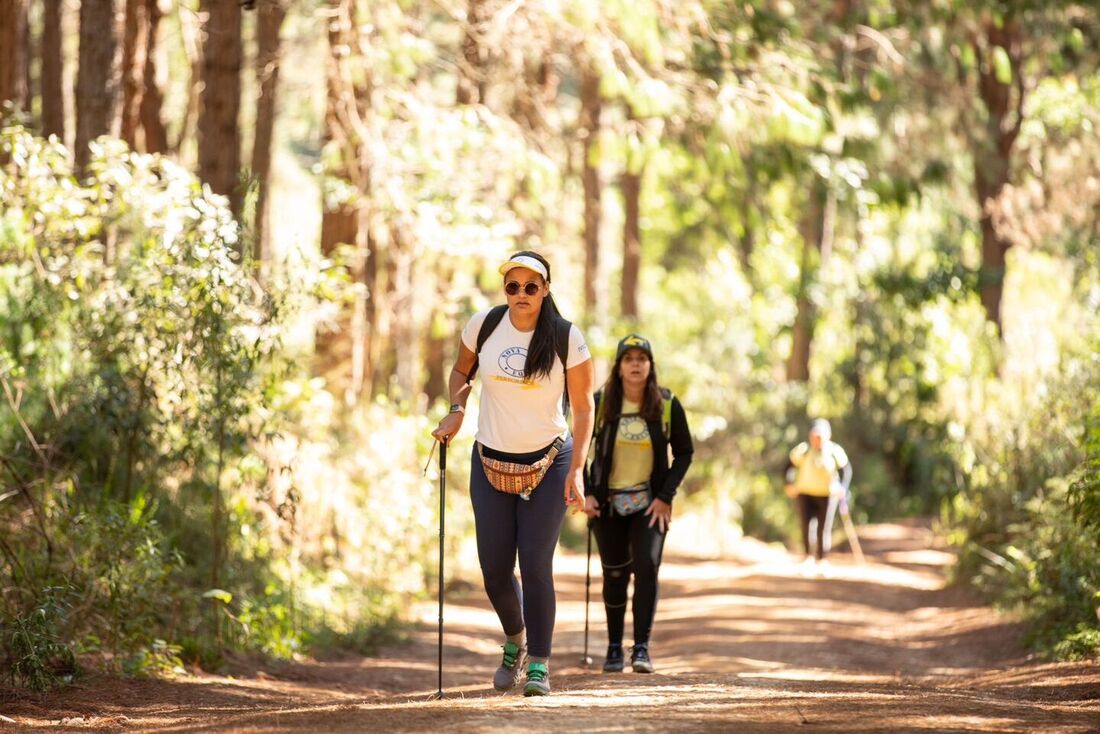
(529,357)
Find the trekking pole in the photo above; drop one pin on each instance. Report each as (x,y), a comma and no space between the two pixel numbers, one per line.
(850,531)
(587,659)
(442,511)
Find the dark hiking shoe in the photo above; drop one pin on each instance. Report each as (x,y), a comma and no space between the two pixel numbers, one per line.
(538,680)
(613,663)
(507,675)
(639,658)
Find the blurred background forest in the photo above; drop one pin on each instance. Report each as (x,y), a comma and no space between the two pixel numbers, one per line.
(238,242)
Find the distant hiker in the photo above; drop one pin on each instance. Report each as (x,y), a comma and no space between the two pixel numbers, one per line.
(631,486)
(525,469)
(821,475)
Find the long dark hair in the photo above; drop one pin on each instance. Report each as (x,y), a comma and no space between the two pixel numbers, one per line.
(613,394)
(542,351)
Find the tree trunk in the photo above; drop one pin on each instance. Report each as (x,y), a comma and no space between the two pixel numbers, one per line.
(28,52)
(589,131)
(471,73)
(346,219)
(816,227)
(632,243)
(437,338)
(152,100)
(132,68)
(269,24)
(53,98)
(813,227)
(748,214)
(13,52)
(96,75)
(191,41)
(992,153)
(383,285)
(405,332)
(219,131)
(632,232)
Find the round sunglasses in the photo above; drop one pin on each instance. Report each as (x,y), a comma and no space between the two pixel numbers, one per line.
(531,288)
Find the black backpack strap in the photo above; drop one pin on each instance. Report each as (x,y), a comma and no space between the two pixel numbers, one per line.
(598,400)
(561,342)
(488,326)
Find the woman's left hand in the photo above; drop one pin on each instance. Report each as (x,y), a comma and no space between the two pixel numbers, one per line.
(660,512)
(574,488)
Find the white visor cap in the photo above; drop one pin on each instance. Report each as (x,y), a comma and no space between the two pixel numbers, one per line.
(524,261)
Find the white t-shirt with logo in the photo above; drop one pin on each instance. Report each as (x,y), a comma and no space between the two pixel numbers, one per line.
(519,417)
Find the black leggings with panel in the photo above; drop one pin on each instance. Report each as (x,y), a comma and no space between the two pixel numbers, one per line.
(628,546)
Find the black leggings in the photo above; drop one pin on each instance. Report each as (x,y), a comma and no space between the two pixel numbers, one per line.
(629,546)
(508,525)
(809,508)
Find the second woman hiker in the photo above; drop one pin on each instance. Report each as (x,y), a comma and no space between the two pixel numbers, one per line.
(631,487)
(525,469)
(822,474)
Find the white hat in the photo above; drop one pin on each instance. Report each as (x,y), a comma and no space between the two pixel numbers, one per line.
(524,261)
(821,427)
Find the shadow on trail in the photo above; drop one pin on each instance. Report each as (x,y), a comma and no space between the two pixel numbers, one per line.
(692,702)
(744,645)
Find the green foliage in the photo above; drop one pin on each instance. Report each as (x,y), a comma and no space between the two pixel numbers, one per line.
(34,651)
(158,658)
(1084,493)
(1025,534)
(166,460)
(140,362)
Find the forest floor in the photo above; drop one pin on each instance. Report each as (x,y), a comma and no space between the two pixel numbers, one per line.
(741,644)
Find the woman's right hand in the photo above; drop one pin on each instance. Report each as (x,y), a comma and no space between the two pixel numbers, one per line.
(591,506)
(448,427)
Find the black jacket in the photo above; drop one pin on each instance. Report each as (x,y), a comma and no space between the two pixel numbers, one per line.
(664,479)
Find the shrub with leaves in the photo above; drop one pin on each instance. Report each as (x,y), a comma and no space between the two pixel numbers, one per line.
(137,360)
(34,651)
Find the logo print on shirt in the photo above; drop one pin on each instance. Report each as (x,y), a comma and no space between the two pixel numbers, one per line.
(633,428)
(512,361)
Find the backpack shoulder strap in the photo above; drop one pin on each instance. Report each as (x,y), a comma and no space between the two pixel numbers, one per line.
(561,341)
(562,330)
(666,412)
(488,326)
(598,397)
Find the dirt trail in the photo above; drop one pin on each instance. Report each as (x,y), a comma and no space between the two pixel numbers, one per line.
(743,644)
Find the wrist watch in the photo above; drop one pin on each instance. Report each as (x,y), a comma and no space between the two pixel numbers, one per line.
(456,408)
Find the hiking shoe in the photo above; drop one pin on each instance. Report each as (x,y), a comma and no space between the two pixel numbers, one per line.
(613,663)
(507,675)
(639,658)
(538,680)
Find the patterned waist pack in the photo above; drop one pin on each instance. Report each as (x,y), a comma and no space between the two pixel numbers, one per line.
(513,478)
(629,500)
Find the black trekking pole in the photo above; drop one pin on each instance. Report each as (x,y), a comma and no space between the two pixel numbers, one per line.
(587,659)
(442,512)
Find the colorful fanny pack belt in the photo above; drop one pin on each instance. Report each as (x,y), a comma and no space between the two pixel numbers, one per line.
(513,478)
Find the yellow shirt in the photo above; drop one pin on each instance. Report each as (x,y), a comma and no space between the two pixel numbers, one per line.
(817,470)
(632,462)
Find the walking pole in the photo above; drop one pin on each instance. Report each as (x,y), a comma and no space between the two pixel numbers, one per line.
(587,659)
(850,531)
(442,511)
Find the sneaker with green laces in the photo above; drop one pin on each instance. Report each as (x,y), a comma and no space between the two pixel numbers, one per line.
(538,680)
(507,675)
